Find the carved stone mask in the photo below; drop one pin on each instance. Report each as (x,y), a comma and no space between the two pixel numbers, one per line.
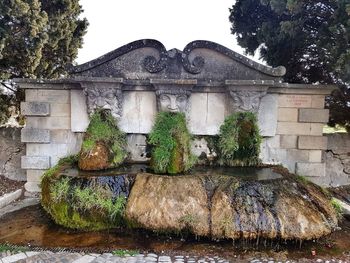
(243,101)
(107,98)
(172,101)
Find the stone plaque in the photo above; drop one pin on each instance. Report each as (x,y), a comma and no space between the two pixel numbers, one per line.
(295,101)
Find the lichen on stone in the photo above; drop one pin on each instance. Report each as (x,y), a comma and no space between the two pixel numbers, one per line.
(239,140)
(104,145)
(171,144)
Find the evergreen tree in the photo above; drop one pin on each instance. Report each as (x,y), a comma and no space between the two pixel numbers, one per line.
(38,39)
(311,38)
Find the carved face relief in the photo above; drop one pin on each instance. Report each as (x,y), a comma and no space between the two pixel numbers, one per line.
(243,101)
(107,98)
(172,101)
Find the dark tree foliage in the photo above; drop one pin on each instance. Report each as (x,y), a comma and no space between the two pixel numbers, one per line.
(38,39)
(311,38)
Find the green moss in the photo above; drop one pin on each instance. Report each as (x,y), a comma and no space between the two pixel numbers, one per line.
(78,206)
(170,140)
(12,248)
(104,129)
(337,207)
(239,140)
(124,252)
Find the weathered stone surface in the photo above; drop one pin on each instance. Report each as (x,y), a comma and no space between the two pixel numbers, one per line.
(267,115)
(316,129)
(294,101)
(35,162)
(52,123)
(136,147)
(315,156)
(311,169)
(317,101)
(79,115)
(47,95)
(314,115)
(312,142)
(288,114)
(34,175)
(139,110)
(273,211)
(34,135)
(96,159)
(11,150)
(293,128)
(207,113)
(60,110)
(335,170)
(289,141)
(35,108)
(169,203)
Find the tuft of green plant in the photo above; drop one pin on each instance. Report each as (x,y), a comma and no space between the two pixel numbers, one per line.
(302,179)
(12,248)
(100,199)
(124,252)
(239,140)
(337,207)
(69,160)
(103,128)
(59,189)
(171,144)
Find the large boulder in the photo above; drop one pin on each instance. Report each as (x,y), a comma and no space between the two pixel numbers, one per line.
(169,203)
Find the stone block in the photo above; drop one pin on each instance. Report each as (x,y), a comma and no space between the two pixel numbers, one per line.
(312,142)
(54,96)
(31,95)
(315,156)
(33,135)
(60,110)
(288,114)
(317,101)
(32,187)
(51,123)
(314,115)
(207,113)
(34,108)
(311,169)
(136,146)
(139,111)
(293,128)
(33,149)
(65,137)
(79,115)
(267,115)
(294,101)
(289,141)
(316,129)
(35,162)
(34,175)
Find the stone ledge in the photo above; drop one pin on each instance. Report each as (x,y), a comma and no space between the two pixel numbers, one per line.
(314,115)
(35,162)
(34,108)
(311,169)
(8,198)
(33,135)
(312,142)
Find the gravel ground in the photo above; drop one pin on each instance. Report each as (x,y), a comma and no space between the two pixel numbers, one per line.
(7,185)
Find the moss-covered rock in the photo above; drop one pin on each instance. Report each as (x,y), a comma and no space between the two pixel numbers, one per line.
(84,203)
(239,140)
(104,145)
(171,144)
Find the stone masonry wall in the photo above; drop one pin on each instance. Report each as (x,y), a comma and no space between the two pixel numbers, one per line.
(11,150)
(292,134)
(47,134)
(299,143)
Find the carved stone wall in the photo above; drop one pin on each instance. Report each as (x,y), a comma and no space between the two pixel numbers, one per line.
(206,81)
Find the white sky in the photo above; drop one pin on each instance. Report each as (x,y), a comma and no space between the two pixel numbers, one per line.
(115,23)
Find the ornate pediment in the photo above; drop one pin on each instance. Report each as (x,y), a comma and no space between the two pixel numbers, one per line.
(204,60)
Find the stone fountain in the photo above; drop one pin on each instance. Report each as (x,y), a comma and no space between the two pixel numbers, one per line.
(233,111)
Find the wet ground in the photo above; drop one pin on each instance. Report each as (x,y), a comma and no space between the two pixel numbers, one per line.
(32,227)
